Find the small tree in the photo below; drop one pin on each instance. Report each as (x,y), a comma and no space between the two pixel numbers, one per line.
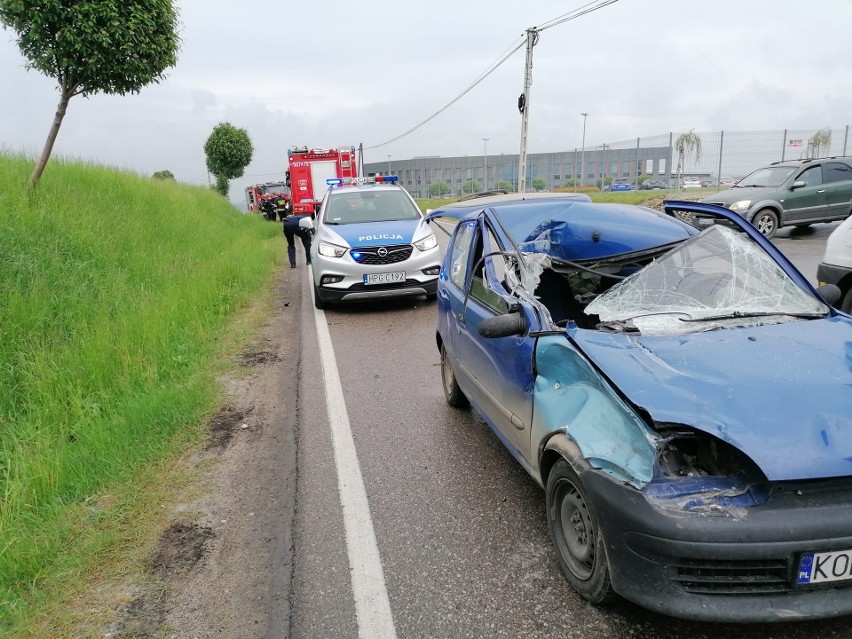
(439,189)
(539,184)
(819,141)
(686,145)
(228,151)
(164,175)
(471,186)
(505,185)
(571,182)
(108,46)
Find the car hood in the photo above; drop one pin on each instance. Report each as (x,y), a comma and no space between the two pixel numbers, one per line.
(375,233)
(735,194)
(782,394)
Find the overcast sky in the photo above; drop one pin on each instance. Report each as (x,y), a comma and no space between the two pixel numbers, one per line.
(329,73)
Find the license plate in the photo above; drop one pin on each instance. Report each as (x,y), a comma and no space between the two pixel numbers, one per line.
(825,567)
(383,278)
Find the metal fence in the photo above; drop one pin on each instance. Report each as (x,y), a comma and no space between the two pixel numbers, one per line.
(716,156)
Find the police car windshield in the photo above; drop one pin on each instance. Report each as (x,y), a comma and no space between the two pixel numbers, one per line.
(360,207)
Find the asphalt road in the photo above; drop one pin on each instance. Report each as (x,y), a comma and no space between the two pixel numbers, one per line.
(461,542)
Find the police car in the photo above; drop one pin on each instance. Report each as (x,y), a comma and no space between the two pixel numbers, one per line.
(371,243)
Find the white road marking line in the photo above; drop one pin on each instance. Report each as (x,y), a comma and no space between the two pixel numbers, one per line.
(372,605)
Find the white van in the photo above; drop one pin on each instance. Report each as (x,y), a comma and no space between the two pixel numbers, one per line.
(836,265)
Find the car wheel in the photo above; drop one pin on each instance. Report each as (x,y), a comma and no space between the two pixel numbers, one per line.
(455,396)
(766,221)
(318,303)
(576,535)
(846,305)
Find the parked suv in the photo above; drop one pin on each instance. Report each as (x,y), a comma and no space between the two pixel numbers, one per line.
(795,193)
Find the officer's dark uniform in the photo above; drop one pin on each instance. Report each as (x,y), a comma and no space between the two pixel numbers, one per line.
(291,229)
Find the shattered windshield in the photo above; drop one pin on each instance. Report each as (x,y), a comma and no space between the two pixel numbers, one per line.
(717,279)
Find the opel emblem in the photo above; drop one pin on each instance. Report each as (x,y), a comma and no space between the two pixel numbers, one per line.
(383,252)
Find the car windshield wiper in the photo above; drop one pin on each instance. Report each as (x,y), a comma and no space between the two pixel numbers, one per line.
(740,314)
(617,326)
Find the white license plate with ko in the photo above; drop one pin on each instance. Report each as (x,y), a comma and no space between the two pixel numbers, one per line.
(825,567)
(383,278)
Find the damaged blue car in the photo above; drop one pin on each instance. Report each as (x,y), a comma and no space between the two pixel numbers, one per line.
(676,386)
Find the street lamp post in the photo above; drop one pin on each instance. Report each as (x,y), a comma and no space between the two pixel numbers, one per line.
(485,163)
(389,171)
(583,152)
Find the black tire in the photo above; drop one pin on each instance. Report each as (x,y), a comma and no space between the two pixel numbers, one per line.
(846,304)
(455,396)
(576,535)
(766,221)
(318,303)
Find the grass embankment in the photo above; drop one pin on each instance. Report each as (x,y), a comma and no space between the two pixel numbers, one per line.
(114,290)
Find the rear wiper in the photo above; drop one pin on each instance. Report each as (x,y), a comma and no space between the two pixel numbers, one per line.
(739,314)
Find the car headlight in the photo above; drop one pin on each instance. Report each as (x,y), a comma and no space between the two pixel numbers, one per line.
(741,206)
(428,242)
(700,473)
(331,250)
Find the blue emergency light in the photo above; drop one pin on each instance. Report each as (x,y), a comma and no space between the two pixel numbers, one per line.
(387,178)
(334,181)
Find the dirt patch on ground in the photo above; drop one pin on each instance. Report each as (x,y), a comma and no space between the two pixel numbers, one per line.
(223,426)
(258,359)
(179,548)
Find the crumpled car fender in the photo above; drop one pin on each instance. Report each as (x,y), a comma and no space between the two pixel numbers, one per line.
(571,398)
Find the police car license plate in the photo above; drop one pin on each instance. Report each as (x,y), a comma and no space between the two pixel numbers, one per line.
(383,278)
(825,567)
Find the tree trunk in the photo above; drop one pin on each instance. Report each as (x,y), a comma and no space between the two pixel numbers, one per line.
(64,98)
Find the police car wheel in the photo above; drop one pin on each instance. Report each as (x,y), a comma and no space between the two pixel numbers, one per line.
(318,303)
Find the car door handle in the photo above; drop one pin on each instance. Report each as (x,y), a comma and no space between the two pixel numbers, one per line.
(821,191)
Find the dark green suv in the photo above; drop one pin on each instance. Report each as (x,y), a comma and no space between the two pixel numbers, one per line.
(794,193)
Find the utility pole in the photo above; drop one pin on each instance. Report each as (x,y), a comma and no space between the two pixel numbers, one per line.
(583,152)
(389,171)
(485,162)
(524,108)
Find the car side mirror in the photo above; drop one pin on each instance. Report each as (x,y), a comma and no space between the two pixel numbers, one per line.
(503,325)
(798,184)
(830,293)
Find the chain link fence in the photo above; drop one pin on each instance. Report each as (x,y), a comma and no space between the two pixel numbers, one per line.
(716,155)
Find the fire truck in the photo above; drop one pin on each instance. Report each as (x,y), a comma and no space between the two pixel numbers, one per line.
(308,170)
(252,198)
(271,199)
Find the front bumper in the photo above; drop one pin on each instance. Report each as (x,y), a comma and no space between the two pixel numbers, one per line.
(736,567)
(421,277)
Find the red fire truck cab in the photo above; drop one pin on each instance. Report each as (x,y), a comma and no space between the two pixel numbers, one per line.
(308,170)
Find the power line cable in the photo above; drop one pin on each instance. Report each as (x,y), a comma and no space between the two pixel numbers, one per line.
(571,15)
(517,44)
(576,13)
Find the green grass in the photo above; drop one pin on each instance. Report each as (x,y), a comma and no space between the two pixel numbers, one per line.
(620,197)
(114,292)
